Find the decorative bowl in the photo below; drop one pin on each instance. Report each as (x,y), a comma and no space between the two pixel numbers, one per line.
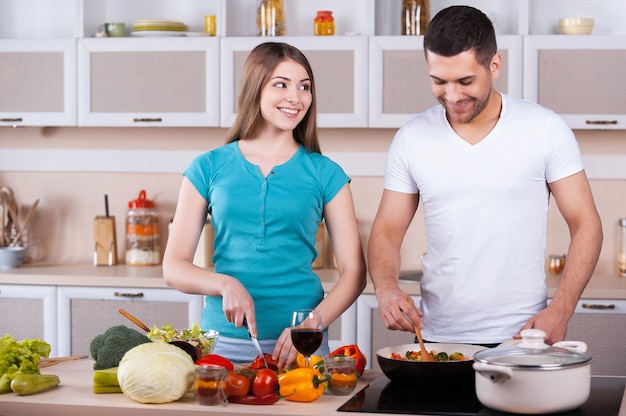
(12,257)
(576,25)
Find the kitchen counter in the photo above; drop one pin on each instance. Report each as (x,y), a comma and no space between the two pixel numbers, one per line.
(75,397)
(603,284)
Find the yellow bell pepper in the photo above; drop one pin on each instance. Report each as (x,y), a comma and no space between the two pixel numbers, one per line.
(302,384)
(314,361)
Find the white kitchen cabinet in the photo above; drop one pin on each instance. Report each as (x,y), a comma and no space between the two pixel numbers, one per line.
(165,82)
(340,69)
(400,85)
(343,330)
(371,333)
(84,312)
(601,324)
(29,312)
(38,82)
(576,77)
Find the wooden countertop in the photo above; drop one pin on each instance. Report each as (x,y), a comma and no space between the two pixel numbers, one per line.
(75,397)
(603,285)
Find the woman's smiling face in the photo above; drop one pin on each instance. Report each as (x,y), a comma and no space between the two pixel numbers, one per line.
(286,97)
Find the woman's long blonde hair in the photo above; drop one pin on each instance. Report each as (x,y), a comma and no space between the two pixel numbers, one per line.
(258,69)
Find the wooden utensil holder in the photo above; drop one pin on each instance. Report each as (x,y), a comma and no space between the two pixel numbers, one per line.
(105,249)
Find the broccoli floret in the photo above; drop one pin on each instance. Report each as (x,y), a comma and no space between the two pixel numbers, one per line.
(108,348)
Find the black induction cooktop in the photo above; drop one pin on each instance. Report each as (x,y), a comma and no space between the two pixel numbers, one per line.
(383,396)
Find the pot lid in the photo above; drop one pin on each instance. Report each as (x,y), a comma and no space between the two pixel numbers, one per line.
(533,353)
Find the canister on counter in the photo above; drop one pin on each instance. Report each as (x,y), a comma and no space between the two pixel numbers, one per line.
(142,232)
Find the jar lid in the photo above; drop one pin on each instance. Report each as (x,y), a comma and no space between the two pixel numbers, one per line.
(141,201)
(531,353)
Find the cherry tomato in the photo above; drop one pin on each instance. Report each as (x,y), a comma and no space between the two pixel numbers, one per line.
(258,363)
(236,384)
(265,382)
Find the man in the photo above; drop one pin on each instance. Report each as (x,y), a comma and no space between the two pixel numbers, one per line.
(483,165)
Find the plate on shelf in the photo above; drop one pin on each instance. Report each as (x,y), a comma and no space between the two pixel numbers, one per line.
(197,34)
(156,33)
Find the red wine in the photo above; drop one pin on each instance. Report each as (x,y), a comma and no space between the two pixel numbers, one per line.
(307,340)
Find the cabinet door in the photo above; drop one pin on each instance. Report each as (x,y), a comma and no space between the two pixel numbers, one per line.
(84,312)
(343,330)
(38,82)
(601,324)
(399,81)
(156,82)
(340,70)
(29,312)
(372,334)
(578,77)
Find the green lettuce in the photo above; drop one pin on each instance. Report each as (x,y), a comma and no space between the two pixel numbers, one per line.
(19,357)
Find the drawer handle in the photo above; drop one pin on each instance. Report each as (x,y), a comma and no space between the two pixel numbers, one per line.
(602,122)
(596,306)
(11,120)
(151,120)
(128,295)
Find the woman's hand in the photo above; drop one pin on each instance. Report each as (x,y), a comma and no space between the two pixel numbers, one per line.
(237,304)
(284,351)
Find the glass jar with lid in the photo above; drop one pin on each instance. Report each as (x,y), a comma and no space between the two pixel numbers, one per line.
(621,247)
(415,16)
(142,232)
(271,18)
(324,23)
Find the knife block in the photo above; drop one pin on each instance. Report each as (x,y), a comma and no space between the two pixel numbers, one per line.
(105,246)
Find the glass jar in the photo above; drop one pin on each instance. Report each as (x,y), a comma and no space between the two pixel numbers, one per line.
(342,373)
(271,18)
(556,263)
(324,23)
(209,385)
(320,246)
(415,16)
(142,233)
(621,247)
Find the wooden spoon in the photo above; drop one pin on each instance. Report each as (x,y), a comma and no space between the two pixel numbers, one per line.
(426,356)
(135,320)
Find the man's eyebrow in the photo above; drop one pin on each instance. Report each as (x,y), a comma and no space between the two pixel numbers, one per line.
(467,78)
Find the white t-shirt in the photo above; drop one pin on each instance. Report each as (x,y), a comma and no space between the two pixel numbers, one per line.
(485,209)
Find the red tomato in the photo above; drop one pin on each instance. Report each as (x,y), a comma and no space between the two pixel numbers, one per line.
(258,363)
(236,384)
(265,382)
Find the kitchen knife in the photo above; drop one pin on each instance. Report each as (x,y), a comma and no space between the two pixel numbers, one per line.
(255,342)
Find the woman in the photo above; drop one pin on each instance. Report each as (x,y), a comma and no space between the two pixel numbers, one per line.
(266,190)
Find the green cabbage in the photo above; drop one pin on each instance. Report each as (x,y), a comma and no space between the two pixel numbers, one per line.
(156,372)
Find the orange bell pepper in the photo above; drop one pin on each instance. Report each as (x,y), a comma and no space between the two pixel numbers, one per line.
(352,351)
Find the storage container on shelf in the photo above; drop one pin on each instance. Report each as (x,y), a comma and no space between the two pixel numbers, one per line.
(142,232)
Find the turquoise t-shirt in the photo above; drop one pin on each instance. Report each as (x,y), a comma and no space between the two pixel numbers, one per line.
(265,231)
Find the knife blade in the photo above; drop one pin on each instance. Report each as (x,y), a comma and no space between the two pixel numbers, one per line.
(255,342)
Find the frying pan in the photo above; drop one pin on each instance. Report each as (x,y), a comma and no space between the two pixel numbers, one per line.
(429,374)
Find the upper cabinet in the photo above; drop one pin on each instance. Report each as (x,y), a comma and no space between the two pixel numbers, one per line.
(577,80)
(399,84)
(148,82)
(340,77)
(38,82)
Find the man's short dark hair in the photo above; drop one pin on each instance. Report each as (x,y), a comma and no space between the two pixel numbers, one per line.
(457,29)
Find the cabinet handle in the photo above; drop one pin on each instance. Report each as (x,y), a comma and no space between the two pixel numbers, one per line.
(601,122)
(11,120)
(129,295)
(147,120)
(596,306)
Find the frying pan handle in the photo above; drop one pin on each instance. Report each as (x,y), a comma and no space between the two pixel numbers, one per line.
(494,373)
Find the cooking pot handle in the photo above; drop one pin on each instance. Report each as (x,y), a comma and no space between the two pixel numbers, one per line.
(578,346)
(494,373)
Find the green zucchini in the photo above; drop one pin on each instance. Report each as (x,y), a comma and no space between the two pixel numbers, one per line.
(25,384)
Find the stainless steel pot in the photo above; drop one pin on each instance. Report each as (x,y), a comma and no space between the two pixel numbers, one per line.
(531,377)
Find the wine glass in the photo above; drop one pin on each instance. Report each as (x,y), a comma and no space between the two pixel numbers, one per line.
(306,331)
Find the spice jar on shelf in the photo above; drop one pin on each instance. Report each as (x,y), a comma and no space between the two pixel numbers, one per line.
(271,18)
(415,16)
(142,232)
(324,23)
